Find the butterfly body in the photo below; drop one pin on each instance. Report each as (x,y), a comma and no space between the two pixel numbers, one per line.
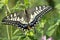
(27,18)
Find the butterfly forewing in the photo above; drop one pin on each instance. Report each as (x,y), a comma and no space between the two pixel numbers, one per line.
(39,10)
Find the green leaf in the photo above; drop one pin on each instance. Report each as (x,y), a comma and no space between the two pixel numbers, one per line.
(1,5)
(4,1)
(57,6)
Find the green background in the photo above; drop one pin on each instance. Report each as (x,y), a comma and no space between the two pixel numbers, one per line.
(49,24)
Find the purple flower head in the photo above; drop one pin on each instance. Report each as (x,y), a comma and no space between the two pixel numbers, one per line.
(44,38)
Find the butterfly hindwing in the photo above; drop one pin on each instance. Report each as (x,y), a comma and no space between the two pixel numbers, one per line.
(27,17)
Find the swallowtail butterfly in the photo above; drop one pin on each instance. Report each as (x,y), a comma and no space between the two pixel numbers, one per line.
(27,18)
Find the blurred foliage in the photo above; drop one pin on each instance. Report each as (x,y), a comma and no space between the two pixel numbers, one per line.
(49,24)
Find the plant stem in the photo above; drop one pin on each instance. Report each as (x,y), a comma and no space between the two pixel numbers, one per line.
(8,8)
(19,38)
(8,32)
(9,37)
